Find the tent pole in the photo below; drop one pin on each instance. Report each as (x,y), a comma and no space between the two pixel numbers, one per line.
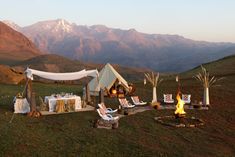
(101,96)
(29,91)
(88,96)
(30,96)
(33,103)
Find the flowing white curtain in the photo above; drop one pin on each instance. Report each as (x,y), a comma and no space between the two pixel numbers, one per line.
(61,76)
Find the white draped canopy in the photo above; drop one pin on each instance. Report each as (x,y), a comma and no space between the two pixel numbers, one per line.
(61,76)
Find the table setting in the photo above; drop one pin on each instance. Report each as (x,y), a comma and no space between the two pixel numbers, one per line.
(65,97)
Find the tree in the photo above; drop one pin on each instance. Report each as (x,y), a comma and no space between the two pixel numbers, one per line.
(207,82)
(155,81)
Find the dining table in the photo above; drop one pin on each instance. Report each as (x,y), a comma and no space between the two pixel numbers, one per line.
(51,101)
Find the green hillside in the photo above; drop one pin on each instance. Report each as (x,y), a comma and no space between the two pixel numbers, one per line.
(223,67)
(138,135)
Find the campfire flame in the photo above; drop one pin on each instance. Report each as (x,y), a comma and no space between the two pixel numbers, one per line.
(180,105)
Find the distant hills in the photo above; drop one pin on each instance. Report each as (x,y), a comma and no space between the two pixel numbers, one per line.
(52,63)
(9,75)
(100,44)
(56,63)
(14,46)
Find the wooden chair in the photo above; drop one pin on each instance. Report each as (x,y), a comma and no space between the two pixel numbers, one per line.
(43,106)
(168,98)
(186,98)
(60,106)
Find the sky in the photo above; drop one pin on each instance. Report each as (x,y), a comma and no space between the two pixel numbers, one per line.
(207,20)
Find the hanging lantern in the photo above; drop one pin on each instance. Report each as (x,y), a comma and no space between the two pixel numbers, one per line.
(145,81)
(114,91)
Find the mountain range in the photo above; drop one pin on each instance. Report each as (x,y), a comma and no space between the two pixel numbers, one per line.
(101,44)
(19,52)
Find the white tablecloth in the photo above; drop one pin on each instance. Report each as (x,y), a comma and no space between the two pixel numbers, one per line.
(51,101)
(21,106)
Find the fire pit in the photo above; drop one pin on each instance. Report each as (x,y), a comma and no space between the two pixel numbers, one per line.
(180,122)
(179,119)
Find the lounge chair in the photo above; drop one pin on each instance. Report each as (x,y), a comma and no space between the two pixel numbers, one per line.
(106,116)
(186,98)
(168,98)
(124,103)
(137,101)
(107,110)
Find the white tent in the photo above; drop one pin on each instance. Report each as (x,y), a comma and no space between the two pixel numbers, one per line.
(107,77)
(23,106)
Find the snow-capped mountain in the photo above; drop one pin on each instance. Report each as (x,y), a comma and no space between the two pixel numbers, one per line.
(102,44)
(54,26)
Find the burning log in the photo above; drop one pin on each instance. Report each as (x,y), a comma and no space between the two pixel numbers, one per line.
(180,115)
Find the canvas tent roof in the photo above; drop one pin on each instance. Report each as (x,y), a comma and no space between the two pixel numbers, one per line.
(107,77)
(61,76)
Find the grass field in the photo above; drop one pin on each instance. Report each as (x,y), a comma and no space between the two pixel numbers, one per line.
(73,134)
